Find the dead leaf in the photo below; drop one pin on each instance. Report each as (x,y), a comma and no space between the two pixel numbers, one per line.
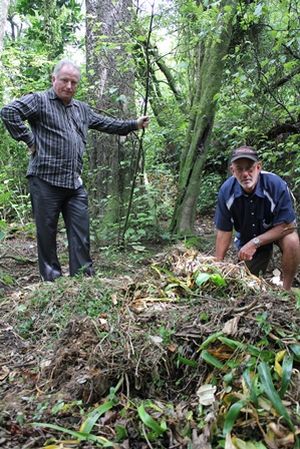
(206,394)
(231,326)
(4,372)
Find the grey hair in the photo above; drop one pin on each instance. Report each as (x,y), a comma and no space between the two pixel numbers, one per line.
(62,63)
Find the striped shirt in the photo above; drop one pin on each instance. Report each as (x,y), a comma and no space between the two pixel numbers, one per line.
(253,214)
(58,133)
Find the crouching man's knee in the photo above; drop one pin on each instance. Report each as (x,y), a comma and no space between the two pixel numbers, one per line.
(290,248)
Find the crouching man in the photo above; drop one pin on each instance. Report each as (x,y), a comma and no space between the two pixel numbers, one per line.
(259,206)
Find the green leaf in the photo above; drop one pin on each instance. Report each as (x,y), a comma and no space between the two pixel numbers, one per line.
(121,433)
(57,407)
(201,278)
(157,428)
(218,280)
(269,389)
(94,415)
(211,360)
(296,350)
(211,339)
(233,344)
(79,435)
(250,385)
(188,362)
(232,415)
(287,367)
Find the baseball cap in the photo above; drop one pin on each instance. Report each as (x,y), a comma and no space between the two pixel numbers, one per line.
(244,153)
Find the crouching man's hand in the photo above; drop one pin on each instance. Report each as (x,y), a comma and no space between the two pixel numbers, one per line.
(247,251)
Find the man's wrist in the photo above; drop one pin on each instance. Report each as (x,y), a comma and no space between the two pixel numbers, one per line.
(256,241)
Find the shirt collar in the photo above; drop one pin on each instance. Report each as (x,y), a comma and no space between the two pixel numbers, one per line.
(258,191)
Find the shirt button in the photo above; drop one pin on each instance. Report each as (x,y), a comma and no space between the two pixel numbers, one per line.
(253,224)
(252,213)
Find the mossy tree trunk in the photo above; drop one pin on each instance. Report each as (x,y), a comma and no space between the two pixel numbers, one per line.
(111,81)
(207,84)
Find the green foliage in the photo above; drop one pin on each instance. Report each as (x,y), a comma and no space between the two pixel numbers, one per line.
(210,184)
(14,200)
(156,428)
(257,104)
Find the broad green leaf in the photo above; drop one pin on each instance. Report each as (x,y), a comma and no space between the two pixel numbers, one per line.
(296,350)
(188,362)
(287,368)
(253,350)
(211,339)
(233,344)
(211,360)
(232,415)
(250,385)
(57,407)
(80,435)
(201,278)
(121,433)
(94,415)
(218,280)
(157,428)
(269,389)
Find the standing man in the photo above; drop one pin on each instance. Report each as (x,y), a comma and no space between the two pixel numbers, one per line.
(258,205)
(56,138)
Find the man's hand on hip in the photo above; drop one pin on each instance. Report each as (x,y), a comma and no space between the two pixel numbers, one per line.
(31,150)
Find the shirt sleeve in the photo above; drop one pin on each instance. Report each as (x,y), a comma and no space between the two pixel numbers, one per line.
(223,217)
(16,113)
(110,125)
(284,210)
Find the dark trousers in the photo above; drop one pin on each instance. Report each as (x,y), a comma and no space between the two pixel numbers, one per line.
(48,202)
(260,261)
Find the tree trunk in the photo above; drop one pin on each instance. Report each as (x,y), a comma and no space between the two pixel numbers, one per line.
(111,79)
(208,78)
(3,17)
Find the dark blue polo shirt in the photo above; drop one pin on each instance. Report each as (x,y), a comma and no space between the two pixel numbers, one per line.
(253,214)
